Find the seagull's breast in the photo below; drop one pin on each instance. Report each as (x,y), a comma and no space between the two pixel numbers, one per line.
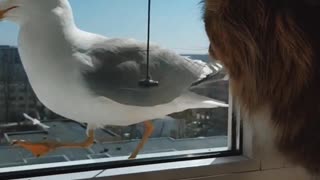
(48,61)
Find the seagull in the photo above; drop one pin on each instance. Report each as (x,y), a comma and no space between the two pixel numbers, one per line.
(94,79)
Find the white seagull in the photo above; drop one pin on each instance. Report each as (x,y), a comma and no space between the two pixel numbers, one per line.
(94,79)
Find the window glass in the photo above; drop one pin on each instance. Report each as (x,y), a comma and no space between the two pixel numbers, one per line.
(176,25)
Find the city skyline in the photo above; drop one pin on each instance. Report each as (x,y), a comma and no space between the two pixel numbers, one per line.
(180,28)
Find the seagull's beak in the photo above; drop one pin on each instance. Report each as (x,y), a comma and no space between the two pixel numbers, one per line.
(4,11)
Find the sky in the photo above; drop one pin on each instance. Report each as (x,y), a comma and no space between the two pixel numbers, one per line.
(175,24)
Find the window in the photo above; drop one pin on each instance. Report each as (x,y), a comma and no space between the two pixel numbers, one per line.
(21,106)
(197,132)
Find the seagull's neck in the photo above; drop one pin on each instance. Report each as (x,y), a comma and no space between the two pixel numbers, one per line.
(48,40)
(56,25)
(62,17)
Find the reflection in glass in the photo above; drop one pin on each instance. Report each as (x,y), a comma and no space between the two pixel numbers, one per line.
(199,130)
(188,130)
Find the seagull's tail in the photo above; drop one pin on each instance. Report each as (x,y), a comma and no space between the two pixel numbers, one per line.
(217,75)
(190,100)
(214,86)
(200,68)
(206,72)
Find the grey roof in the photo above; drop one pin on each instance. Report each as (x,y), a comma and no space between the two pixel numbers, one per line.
(75,132)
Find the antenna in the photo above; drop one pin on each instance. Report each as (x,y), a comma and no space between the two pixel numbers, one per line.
(148,82)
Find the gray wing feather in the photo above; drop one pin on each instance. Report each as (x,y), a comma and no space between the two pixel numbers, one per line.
(120,65)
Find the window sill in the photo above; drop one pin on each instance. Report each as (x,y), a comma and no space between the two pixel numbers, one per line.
(172,170)
(186,169)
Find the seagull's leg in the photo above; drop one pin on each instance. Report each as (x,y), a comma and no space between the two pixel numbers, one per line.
(148,129)
(42,148)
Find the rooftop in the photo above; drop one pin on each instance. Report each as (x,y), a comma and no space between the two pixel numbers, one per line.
(107,144)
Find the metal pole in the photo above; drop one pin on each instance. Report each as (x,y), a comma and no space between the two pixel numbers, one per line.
(148,82)
(148,39)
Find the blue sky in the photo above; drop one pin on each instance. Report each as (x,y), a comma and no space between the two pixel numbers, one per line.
(176,24)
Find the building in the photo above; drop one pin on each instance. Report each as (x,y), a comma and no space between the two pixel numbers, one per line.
(107,145)
(16,94)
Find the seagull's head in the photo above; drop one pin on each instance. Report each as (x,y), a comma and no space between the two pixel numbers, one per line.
(21,11)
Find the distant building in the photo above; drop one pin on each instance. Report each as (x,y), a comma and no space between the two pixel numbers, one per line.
(16,94)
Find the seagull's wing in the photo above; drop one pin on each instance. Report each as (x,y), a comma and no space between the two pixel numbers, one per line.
(116,67)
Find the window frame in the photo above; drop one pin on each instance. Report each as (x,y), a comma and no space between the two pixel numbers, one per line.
(246,161)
